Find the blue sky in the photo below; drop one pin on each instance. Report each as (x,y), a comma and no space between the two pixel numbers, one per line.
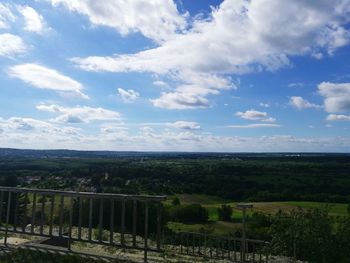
(167,75)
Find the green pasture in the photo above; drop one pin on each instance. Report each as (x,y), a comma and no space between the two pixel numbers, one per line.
(212,203)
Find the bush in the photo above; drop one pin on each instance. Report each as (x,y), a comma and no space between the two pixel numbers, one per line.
(176,201)
(225,212)
(194,213)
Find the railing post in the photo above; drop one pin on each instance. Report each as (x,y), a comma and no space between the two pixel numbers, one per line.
(181,240)
(42,214)
(80,216)
(24,223)
(159,218)
(33,213)
(146,233)
(266,255)
(60,226)
(1,204)
(16,211)
(134,217)
(111,227)
(100,224)
(51,213)
(70,224)
(7,217)
(90,218)
(253,248)
(234,251)
(122,222)
(193,243)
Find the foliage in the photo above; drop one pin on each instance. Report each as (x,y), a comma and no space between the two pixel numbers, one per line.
(307,234)
(225,212)
(231,176)
(193,213)
(176,201)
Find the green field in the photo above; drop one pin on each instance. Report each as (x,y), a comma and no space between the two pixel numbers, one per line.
(212,203)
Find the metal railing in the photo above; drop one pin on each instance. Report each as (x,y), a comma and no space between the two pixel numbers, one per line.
(124,221)
(219,247)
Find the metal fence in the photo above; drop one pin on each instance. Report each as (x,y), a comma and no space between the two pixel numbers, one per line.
(125,221)
(219,247)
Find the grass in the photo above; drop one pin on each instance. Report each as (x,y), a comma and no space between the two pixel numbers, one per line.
(217,228)
(212,203)
(197,199)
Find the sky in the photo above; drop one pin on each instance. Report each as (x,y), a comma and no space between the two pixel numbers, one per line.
(175,75)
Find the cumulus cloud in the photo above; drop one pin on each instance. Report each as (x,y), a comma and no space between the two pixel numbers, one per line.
(185,125)
(178,100)
(6,16)
(255,115)
(114,128)
(26,132)
(338,117)
(128,95)
(34,22)
(210,49)
(157,19)
(336,96)
(80,114)
(301,103)
(41,77)
(11,45)
(19,125)
(255,125)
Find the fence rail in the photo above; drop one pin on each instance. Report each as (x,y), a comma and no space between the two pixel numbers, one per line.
(121,221)
(219,247)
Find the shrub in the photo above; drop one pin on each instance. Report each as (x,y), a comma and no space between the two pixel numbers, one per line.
(194,213)
(225,212)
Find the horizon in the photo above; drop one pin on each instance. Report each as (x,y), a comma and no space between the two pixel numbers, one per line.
(179,152)
(213,76)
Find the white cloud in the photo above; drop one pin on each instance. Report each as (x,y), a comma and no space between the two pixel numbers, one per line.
(29,131)
(26,132)
(32,133)
(295,84)
(113,128)
(185,125)
(128,95)
(45,78)
(192,93)
(337,96)
(161,84)
(80,114)
(157,19)
(11,45)
(338,117)
(255,115)
(34,22)
(255,125)
(265,105)
(301,103)
(6,16)
(178,100)
(210,49)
